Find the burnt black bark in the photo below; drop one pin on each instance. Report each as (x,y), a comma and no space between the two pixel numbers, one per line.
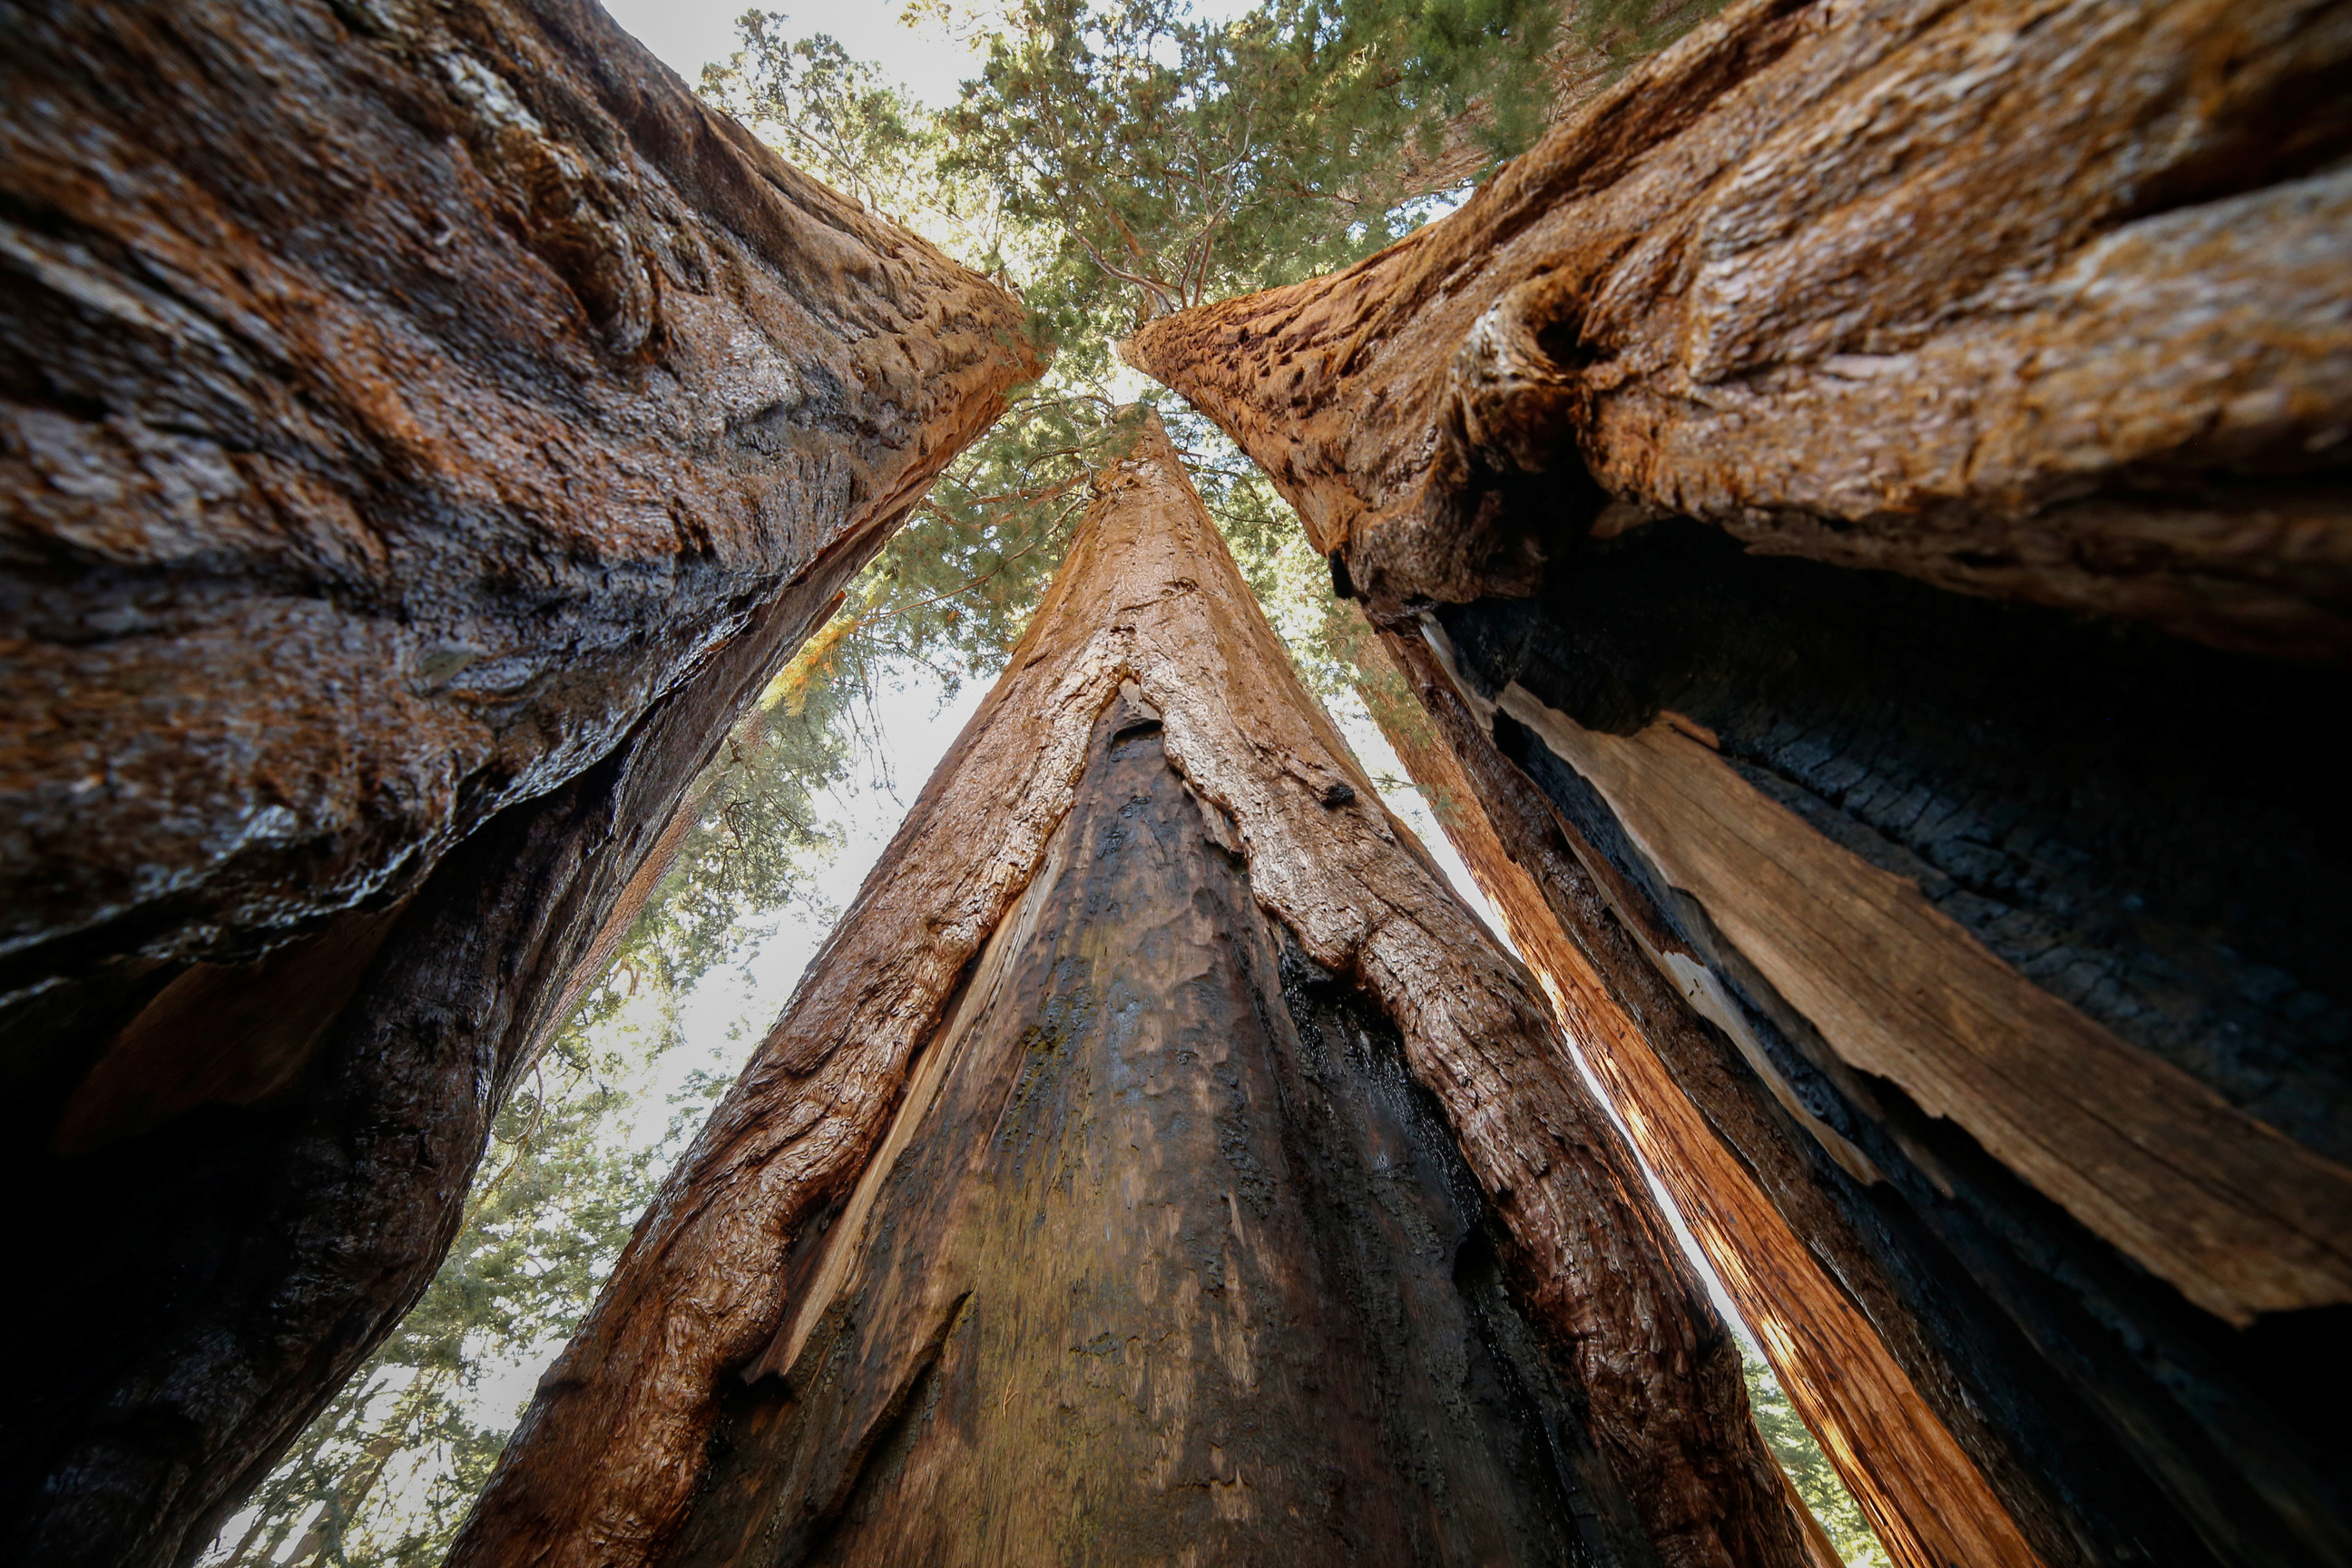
(2145,828)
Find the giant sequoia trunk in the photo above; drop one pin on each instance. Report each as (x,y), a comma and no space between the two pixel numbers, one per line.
(2035,299)
(1965,951)
(424,428)
(1158,1162)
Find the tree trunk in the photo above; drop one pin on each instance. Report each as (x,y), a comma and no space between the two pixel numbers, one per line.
(1891,1444)
(1967,967)
(2019,1279)
(1079,1194)
(2026,299)
(425,429)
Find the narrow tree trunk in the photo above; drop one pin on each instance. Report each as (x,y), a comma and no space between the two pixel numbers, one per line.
(246,1558)
(2025,299)
(1988,945)
(1050,945)
(425,427)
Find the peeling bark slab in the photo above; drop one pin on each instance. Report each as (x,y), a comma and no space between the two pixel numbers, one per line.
(2112,1420)
(422,430)
(606,1465)
(2036,300)
(1925,1490)
(1953,841)
(2242,1220)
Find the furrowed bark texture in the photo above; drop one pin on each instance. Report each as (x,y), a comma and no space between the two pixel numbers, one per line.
(423,430)
(1156,1180)
(608,1460)
(399,402)
(2039,301)
(1997,938)
(1899,1283)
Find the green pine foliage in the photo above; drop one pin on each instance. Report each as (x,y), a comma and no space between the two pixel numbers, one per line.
(756,837)
(1156,162)
(1816,1479)
(1113,162)
(1624,32)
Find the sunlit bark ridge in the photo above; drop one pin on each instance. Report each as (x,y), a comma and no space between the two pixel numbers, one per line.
(729,1270)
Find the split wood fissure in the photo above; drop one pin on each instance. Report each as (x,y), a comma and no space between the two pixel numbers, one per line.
(1926,1499)
(2240,1218)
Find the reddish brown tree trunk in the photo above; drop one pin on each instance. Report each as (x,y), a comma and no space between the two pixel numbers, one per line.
(1922,1489)
(1067,1208)
(1962,948)
(2032,301)
(424,429)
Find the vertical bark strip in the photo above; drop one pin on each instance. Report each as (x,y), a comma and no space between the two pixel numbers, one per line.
(607,1459)
(423,428)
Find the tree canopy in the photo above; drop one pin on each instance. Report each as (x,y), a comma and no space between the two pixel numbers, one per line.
(1113,162)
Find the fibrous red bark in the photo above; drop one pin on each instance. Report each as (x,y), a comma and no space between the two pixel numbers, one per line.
(1963,924)
(424,429)
(400,403)
(728,1273)
(2035,300)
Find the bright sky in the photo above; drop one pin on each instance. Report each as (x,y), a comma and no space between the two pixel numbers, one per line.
(689,34)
